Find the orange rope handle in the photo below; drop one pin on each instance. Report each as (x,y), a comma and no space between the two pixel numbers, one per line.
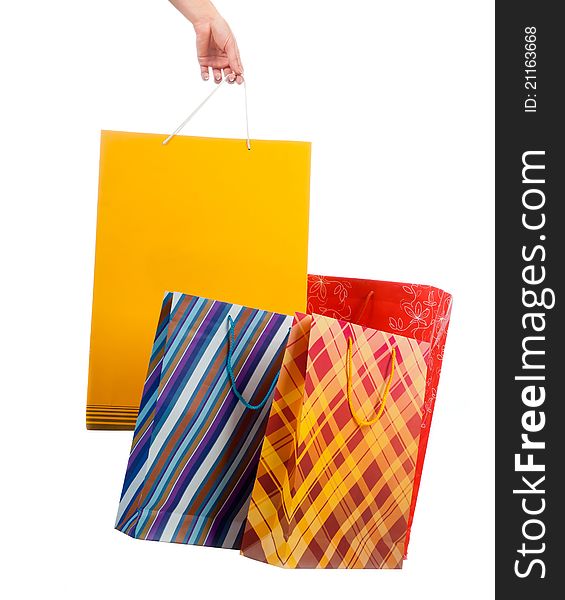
(349,367)
(364,306)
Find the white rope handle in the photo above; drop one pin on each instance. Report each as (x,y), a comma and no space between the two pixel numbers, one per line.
(246,117)
(216,88)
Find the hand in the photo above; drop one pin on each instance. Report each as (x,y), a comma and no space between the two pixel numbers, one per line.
(216,47)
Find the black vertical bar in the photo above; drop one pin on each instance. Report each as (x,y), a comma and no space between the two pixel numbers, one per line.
(530,341)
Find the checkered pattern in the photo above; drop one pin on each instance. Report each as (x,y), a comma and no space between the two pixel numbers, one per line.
(328,493)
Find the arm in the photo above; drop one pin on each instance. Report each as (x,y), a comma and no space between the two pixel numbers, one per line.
(215,43)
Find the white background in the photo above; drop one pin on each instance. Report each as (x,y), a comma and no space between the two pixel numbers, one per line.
(397,98)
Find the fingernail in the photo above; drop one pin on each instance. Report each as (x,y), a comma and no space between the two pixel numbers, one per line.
(218,77)
(205,77)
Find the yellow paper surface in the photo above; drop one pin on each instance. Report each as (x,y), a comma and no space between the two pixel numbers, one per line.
(202,216)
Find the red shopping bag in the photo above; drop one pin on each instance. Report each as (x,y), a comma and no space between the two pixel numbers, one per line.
(421,312)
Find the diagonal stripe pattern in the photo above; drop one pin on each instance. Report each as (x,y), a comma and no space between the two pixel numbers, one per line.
(329,493)
(196,447)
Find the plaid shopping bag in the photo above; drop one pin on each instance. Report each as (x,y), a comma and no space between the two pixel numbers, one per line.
(416,311)
(201,422)
(336,473)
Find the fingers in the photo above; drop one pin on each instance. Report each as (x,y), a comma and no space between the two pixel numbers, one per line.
(202,43)
(239,60)
(229,75)
(234,59)
(217,75)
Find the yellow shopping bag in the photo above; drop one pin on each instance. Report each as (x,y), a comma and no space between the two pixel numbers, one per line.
(204,216)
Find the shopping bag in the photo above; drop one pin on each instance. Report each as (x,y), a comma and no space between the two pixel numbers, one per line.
(201,422)
(198,214)
(421,312)
(336,472)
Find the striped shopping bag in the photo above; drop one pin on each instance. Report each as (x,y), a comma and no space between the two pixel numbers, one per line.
(336,474)
(201,422)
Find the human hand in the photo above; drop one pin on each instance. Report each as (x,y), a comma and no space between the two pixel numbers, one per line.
(216,47)
(217,50)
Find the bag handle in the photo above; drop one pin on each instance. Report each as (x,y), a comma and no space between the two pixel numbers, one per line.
(349,369)
(229,367)
(364,306)
(216,88)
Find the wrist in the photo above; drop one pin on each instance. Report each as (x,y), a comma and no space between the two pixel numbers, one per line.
(199,12)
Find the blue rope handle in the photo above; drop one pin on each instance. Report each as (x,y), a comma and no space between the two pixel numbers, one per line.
(231,343)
